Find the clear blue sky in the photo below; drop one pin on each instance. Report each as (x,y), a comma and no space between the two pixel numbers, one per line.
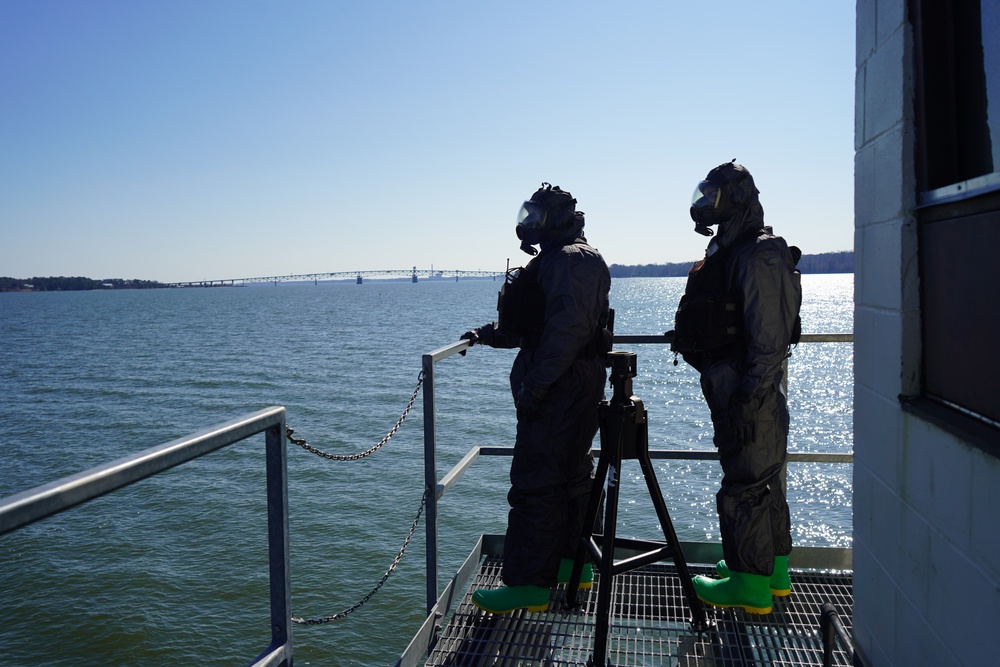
(188,140)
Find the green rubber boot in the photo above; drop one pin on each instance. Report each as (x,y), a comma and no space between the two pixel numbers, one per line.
(566,569)
(749,591)
(781,583)
(506,599)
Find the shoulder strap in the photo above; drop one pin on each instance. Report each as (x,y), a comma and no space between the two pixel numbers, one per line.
(797,327)
(796,254)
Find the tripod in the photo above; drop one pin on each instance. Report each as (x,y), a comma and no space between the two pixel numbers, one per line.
(625,435)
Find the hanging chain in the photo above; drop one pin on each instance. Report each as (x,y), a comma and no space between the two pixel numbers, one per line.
(354,457)
(392,568)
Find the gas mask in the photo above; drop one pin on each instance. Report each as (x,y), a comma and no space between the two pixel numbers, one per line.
(542,217)
(710,205)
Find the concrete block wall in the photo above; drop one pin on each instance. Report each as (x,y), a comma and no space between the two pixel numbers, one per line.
(926,505)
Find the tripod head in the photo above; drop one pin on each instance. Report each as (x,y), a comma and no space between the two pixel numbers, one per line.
(623,369)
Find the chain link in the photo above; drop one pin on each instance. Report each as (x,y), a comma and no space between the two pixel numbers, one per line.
(354,457)
(392,568)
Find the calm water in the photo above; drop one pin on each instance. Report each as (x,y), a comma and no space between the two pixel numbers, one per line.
(173,570)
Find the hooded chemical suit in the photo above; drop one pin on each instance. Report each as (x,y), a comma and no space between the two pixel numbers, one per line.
(557,320)
(735,324)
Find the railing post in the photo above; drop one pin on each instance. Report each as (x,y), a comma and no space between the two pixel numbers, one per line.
(832,629)
(277,539)
(430,482)
(827,632)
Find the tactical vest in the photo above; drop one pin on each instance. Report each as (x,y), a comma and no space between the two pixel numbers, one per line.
(521,312)
(709,318)
(521,303)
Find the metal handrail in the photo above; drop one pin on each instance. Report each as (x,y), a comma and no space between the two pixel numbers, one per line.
(431,482)
(833,631)
(42,501)
(46,500)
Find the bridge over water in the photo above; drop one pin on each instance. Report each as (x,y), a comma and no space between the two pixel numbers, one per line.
(414,275)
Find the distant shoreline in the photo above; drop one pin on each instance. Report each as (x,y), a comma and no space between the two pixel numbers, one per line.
(829,262)
(73,284)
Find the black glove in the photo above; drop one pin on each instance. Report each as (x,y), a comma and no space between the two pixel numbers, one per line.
(472,337)
(741,418)
(528,404)
(483,335)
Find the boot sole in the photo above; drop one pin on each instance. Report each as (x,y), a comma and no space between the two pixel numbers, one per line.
(584,583)
(747,608)
(501,612)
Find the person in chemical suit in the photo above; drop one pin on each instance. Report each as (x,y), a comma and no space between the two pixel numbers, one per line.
(736,324)
(555,310)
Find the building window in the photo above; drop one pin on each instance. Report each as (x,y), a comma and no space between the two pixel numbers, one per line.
(957,85)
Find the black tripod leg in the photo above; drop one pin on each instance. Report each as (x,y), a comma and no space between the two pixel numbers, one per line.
(613,454)
(699,620)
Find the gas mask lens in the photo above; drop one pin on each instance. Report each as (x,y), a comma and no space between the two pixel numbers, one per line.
(706,195)
(531,216)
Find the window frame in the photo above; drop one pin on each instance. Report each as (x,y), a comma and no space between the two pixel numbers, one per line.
(975,199)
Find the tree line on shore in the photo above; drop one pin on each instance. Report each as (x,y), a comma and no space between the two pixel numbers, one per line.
(72,284)
(828,262)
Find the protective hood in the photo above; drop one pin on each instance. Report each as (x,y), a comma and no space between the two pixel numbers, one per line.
(735,196)
(545,218)
(571,232)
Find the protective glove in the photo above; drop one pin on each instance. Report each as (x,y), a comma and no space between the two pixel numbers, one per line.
(528,403)
(483,335)
(741,418)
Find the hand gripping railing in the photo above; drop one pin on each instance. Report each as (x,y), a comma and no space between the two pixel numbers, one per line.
(42,501)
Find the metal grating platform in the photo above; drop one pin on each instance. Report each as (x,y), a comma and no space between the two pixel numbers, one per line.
(649,626)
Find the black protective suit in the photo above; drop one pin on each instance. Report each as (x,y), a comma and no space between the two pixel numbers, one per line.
(557,381)
(739,351)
